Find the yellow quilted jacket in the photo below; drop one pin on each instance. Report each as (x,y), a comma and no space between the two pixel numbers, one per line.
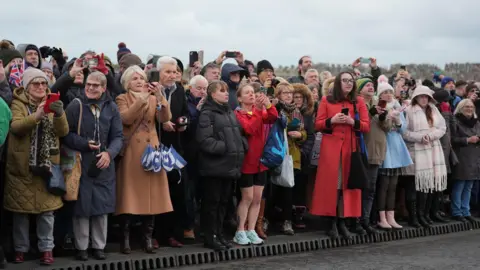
(25,193)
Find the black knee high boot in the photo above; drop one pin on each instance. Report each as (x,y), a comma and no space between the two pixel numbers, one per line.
(428,207)
(412,214)
(435,210)
(421,202)
(343,230)
(332,230)
(3,261)
(148,224)
(125,225)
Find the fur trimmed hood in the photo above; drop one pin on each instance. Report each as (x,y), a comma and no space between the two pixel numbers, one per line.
(307,96)
(328,83)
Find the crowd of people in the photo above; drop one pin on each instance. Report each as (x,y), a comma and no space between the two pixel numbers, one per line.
(89,146)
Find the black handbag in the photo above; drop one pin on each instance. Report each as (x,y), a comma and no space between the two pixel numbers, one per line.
(56,183)
(358,177)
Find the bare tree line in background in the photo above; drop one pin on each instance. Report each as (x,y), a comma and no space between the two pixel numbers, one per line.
(458,71)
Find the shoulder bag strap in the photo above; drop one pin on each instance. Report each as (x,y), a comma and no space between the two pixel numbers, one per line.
(79,124)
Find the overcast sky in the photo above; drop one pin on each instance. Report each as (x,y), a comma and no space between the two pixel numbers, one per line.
(408,31)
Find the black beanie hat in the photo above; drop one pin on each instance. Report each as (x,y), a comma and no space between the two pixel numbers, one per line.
(179,63)
(8,53)
(263,65)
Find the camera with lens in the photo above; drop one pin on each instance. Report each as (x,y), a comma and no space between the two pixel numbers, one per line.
(411,83)
(182,121)
(275,82)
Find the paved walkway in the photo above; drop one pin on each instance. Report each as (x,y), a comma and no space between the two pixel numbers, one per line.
(450,252)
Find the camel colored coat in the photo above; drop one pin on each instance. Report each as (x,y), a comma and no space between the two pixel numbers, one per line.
(140,192)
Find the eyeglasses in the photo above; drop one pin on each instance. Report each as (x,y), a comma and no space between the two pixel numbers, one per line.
(92,85)
(38,84)
(347,81)
(298,97)
(287,93)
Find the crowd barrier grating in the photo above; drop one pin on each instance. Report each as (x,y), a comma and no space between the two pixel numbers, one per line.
(308,242)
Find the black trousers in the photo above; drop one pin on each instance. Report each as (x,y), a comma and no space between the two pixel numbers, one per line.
(300,188)
(183,216)
(216,195)
(282,197)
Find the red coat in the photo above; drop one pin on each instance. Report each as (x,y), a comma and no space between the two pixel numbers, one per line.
(336,144)
(254,126)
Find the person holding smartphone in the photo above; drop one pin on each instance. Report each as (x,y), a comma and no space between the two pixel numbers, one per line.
(99,141)
(29,168)
(139,192)
(376,142)
(255,110)
(331,197)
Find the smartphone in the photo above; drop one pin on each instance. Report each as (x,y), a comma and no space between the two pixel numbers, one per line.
(154,76)
(193,57)
(200,57)
(263,90)
(364,60)
(345,111)
(93,62)
(403,67)
(50,99)
(382,103)
(231,54)
(275,82)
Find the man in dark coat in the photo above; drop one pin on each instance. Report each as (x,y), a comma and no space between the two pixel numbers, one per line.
(173,135)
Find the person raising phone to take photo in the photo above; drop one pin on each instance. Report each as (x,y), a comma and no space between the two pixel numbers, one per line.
(30,127)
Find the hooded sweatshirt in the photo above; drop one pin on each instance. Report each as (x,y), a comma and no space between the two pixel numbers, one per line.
(227,69)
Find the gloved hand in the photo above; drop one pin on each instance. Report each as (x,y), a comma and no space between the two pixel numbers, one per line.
(45,51)
(56,107)
(57,54)
(101,64)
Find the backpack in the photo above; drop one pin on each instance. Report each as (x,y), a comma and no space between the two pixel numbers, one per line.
(274,150)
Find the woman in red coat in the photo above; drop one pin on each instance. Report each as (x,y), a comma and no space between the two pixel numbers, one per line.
(255,110)
(331,197)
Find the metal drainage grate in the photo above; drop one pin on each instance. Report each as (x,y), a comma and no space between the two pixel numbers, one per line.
(271,250)
(78,267)
(236,253)
(196,258)
(117,265)
(304,245)
(154,262)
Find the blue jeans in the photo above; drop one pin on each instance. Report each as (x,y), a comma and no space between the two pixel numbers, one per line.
(461,193)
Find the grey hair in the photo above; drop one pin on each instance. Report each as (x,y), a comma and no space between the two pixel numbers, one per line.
(312,70)
(128,74)
(462,104)
(98,76)
(196,79)
(166,60)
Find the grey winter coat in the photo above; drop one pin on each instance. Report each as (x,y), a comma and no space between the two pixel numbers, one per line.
(468,154)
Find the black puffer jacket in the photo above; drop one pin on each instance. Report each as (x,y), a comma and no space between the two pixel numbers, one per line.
(222,145)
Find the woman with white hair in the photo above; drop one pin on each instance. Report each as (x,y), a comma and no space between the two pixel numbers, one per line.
(140,192)
(465,138)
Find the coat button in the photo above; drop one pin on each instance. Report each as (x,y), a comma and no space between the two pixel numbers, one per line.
(148,140)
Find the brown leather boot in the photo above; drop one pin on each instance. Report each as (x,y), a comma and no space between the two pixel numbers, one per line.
(259,226)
